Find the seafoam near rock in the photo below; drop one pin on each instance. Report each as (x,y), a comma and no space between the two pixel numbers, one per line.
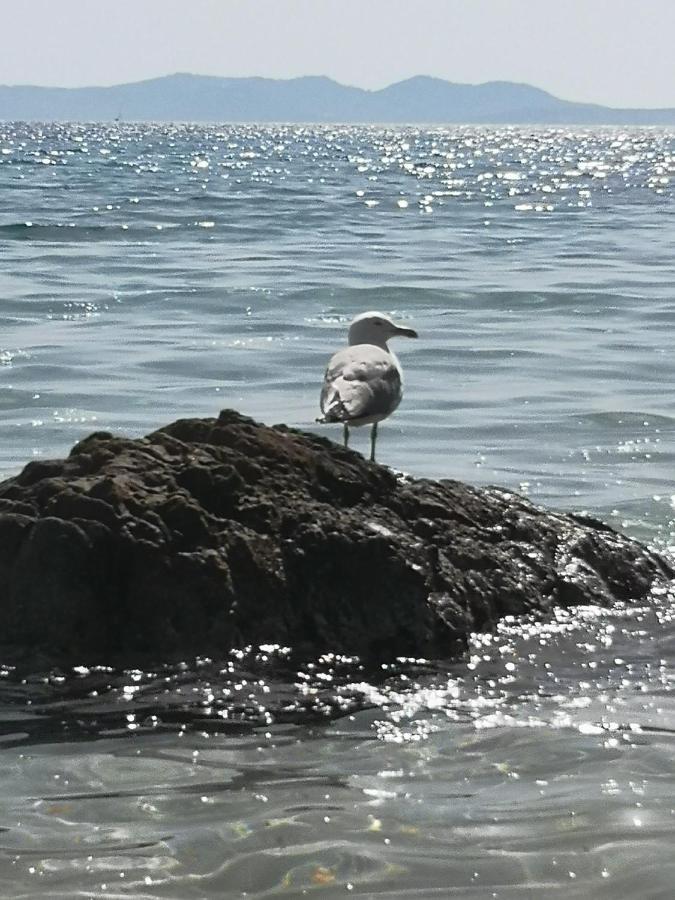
(211,534)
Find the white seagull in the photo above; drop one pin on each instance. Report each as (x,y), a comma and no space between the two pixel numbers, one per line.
(363,383)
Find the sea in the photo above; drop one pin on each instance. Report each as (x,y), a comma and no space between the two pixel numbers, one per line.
(150,272)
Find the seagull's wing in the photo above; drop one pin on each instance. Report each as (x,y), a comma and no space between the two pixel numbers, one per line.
(360,382)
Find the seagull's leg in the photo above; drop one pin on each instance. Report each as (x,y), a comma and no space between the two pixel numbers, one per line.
(346,434)
(373,439)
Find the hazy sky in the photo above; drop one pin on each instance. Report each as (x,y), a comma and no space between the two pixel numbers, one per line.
(616,52)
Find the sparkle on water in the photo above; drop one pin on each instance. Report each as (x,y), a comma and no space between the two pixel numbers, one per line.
(157,271)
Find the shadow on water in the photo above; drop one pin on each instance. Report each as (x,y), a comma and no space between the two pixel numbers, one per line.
(247,690)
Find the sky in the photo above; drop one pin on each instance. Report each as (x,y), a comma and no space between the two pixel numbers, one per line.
(614,52)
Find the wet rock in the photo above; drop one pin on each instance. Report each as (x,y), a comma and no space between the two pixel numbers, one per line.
(211,534)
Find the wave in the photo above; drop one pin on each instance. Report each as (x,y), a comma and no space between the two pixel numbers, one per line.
(33,231)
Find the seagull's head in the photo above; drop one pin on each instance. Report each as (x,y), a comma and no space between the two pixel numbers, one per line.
(376,328)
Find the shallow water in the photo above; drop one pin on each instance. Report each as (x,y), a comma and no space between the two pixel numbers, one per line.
(154,272)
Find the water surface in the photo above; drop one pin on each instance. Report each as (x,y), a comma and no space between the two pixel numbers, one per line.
(153,272)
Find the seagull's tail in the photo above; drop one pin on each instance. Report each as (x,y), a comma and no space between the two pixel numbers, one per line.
(334,411)
(330,417)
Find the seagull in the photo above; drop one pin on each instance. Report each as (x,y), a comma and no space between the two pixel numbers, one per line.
(363,383)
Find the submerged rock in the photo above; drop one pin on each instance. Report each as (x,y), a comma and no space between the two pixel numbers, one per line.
(211,534)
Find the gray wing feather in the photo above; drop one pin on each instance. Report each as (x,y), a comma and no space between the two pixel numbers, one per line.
(360,382)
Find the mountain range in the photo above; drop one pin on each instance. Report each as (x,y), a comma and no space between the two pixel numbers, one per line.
(422,99)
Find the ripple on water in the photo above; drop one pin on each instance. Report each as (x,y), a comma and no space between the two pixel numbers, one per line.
(542,761)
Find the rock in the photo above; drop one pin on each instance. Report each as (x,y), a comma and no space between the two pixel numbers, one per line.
(211,534)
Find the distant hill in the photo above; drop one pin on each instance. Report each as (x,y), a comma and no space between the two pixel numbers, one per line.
(199,98)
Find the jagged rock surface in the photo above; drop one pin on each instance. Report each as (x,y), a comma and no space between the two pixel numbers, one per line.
(217,533)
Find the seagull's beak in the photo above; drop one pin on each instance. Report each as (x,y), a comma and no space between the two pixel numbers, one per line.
(406,332)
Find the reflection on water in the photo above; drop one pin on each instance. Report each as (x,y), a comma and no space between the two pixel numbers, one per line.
(541,763)
(152,272)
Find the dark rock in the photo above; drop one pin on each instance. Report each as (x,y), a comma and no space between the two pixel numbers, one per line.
(211,534)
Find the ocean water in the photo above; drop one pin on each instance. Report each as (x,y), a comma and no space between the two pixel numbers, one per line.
(149,272)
